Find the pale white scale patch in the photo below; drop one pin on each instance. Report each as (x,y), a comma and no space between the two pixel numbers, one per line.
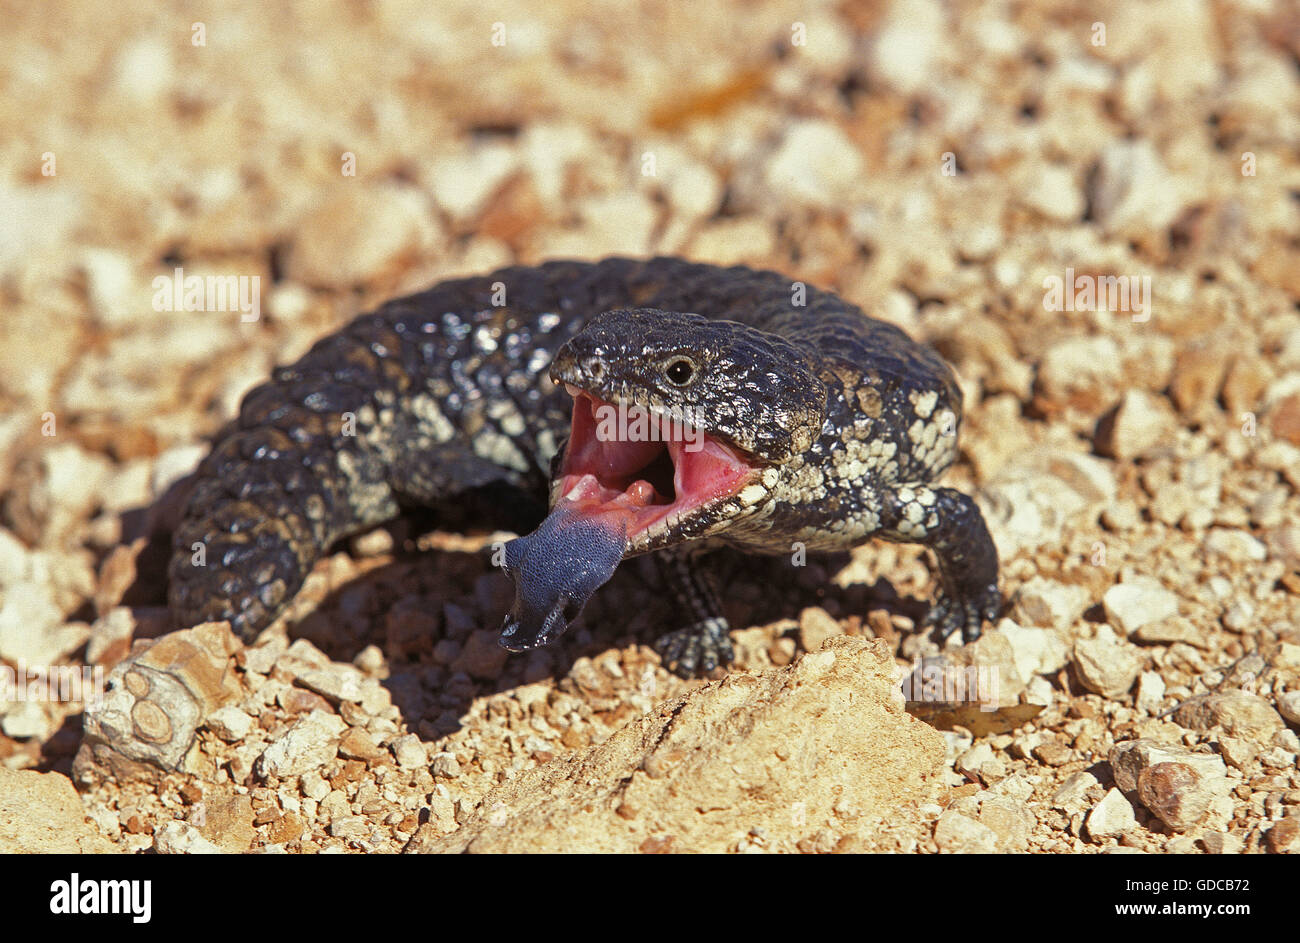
(485,339)
(425,408)
(923,403)
(537,362)
(882,449)
(803,479)
(507,416)
(840,534)
(547,447)
(498,449)
(362,492)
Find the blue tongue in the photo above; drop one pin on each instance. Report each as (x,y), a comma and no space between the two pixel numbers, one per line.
(556,569)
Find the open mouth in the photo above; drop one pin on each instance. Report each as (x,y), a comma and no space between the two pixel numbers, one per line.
(631,481)
(647,472)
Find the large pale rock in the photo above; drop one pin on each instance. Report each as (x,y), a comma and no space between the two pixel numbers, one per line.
(357,234)
(1132,191)
(156,700)
(1239,713)
(32,629)
(1107,665)
(1129,759)
(310,743)
(816,164)
(811,753)
(1111,817)
(1140,424)
(40,813)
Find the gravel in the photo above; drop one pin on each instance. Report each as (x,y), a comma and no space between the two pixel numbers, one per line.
(1138,602)
(1140,475)
(1176,793)
(1111,817)
(1107,665)
(310,742)
(1237,713)
(1130,758)
(959,834)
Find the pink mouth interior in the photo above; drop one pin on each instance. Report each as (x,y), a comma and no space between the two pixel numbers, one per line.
(640,483)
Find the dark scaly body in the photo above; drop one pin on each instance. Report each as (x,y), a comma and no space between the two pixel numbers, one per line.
(444,391)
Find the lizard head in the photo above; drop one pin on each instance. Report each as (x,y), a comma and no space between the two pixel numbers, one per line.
(680,422)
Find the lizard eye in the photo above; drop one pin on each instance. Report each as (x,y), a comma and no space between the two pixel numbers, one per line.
(680,371)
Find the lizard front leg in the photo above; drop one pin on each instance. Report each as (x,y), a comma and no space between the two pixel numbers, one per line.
(702,644)
(950,524)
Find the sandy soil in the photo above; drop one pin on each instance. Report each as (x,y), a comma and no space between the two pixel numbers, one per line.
(1092,214)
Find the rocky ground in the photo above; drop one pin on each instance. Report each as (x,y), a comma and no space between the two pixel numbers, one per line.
(940,164)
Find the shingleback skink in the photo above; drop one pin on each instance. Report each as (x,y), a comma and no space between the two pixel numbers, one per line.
(790,419)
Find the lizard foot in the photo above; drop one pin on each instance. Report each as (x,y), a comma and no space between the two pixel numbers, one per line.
(696,649)
(950,612)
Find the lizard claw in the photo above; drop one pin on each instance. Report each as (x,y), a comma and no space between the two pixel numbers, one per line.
(950,612)
(696,649)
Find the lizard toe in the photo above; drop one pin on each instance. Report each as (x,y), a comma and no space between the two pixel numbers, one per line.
(696,649)
(944,617)
(949,612)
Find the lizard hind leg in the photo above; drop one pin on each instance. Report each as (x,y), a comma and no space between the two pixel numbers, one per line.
(702,644)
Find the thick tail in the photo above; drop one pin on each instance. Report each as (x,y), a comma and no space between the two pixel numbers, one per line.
(305,463)
(428,398)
